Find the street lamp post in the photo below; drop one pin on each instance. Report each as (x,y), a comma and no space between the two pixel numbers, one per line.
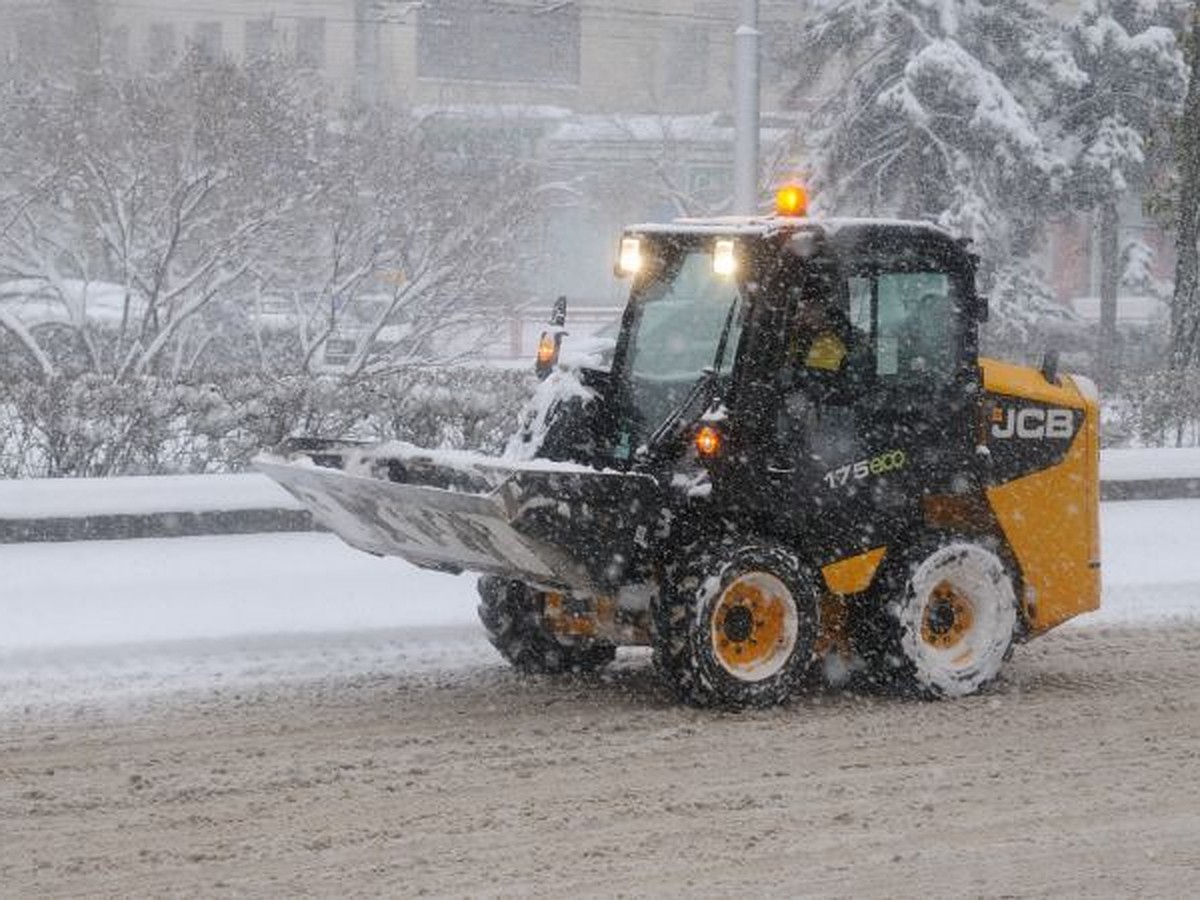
(745,150)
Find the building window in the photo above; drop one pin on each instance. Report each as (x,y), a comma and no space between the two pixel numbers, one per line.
(207,39)
(685,59)
(161,46)
(310,43)
(260,39)
(532,42)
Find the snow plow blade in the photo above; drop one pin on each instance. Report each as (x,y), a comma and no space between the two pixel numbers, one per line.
(547,523)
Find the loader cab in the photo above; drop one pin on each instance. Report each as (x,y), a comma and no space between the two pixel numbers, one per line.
(875,388)
(843,355)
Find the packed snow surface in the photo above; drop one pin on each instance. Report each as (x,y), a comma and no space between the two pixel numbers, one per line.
(153,590)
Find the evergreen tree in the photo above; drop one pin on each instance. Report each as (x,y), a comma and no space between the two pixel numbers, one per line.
(934,109)
(1134,80)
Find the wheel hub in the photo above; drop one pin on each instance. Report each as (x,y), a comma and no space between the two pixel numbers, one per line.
(949,616)
(739,624)
(754,626)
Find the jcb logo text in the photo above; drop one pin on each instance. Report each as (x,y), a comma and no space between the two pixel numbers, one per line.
(1032,422)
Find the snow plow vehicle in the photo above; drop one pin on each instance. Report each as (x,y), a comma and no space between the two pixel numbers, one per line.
(795,463)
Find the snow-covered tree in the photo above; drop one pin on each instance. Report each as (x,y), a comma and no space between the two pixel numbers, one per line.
(934,109)
(178,200)
(1025,315)
(931,109)
(157,187)
(1185,305)
(417,237)
(1108,123)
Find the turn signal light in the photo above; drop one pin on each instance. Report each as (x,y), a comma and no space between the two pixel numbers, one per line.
(708,441)
(547,353)
(791,200)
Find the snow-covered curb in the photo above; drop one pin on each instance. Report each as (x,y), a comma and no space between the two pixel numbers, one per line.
(79,509)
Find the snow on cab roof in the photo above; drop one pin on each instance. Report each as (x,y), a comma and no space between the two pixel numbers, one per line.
(768,225)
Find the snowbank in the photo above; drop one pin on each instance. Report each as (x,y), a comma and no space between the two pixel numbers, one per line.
(104,621)
(44,498)
(122,592)
(1149,463)
(93,593)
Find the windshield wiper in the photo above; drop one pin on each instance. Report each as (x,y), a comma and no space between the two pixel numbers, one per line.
(724,339)
(687,409)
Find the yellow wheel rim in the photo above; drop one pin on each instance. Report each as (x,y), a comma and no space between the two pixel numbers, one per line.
(948,618)
(754,626)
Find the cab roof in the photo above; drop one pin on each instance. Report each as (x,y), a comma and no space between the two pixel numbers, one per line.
(766,226)
(860,238)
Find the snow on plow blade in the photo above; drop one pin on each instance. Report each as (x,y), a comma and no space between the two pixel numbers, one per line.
(553,524)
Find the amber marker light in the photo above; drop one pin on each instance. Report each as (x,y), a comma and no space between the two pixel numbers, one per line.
(791,200)
(708,441)
(546,349)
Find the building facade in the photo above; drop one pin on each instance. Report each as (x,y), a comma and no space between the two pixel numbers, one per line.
(589,56)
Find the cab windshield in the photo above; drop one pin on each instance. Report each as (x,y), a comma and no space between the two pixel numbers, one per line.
(688,319)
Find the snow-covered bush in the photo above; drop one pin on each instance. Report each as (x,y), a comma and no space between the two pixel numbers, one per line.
(93,426)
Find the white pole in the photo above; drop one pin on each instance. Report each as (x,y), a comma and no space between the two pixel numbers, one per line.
(745,149)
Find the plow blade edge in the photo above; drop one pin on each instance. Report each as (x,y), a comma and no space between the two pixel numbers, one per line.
(548,524)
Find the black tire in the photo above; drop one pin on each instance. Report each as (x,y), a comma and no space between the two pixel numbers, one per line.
(736,627)
(511,616)
(941,621)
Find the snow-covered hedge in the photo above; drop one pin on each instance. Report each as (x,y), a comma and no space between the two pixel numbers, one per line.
(1158,409)
(92,426)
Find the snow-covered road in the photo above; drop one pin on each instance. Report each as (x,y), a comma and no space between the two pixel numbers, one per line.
(282,716)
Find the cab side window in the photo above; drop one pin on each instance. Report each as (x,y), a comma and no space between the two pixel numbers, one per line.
(820,344)
(913,322)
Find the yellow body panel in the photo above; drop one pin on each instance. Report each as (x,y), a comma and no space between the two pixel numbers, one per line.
(1022,381)
(854,573)
(1050,518)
